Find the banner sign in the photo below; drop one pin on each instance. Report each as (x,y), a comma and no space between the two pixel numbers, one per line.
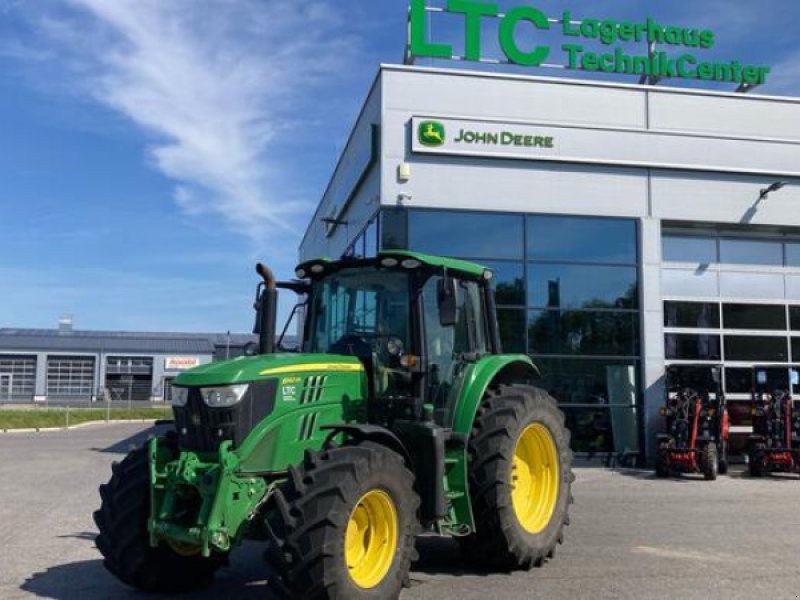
(181,363)
(523,31)
(601,146)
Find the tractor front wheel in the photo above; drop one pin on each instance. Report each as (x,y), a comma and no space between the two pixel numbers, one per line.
(662,464)
(709,461)
(124,540)
(520,478)
(344,525)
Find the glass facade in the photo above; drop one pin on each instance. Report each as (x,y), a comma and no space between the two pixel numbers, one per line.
(567,290)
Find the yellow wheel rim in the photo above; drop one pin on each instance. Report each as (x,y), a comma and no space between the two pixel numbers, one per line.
(535,478)
(370,540)
(182,549)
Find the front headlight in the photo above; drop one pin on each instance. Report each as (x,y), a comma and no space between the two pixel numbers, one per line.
(223,397)
(180,396)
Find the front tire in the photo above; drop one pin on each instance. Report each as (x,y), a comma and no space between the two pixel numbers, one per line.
(124,540)
(344,525)
(709,462)
(662,464)
(723,459)
(520,478)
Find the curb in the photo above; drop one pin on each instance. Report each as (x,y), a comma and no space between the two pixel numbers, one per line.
(78,426)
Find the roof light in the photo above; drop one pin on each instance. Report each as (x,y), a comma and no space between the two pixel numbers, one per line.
(300,273)
(487,275)
(411,263)
(317,269)
(390,262)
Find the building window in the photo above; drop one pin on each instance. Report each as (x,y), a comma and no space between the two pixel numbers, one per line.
(577,332)
(751,252)
(17,377)
(690,249)
(691,315)
(553,285)
(582,239)
(70,376)
(693,347)
(472,235)
(756,348)
(754,316)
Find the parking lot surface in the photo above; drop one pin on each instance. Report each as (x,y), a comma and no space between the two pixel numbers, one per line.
(631,536)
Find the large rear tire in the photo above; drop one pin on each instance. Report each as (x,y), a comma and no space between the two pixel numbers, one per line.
(344,525)
(124,540)
(520,478)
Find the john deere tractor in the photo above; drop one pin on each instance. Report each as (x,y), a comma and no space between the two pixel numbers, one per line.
(398,415)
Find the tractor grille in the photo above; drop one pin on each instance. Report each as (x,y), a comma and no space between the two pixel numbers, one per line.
(203,429)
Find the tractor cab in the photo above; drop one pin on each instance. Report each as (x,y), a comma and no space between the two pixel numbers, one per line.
(415,322)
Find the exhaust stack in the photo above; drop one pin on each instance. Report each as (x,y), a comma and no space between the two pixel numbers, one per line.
(267,309)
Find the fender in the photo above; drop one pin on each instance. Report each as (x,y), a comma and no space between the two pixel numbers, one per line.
(490,370)
(372,433)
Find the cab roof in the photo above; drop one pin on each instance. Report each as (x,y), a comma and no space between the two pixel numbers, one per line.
(462,267)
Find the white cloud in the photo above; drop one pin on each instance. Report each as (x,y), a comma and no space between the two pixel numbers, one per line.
(217,86)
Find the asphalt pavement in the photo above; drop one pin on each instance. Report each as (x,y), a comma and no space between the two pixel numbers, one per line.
(631,535)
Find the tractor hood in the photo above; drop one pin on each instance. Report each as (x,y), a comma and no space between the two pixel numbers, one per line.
(254,368)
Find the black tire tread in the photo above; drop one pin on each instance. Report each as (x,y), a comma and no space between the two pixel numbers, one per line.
(494,544)
(310,512)
(124,541)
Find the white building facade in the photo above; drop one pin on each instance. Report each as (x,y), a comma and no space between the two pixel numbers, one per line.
(632,243)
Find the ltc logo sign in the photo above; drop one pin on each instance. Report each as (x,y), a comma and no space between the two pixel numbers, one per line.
(431,134)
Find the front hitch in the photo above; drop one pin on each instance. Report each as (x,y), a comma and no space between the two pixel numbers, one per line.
(200,504)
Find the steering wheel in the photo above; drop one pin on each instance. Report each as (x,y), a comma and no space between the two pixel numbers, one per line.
(364,344)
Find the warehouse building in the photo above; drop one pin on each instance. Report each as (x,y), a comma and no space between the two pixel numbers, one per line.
(70,366)
(635,231)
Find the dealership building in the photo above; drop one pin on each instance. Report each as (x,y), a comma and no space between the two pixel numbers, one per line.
(65,365)
(635,231)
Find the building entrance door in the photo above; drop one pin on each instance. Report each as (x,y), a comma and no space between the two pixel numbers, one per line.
(6,381)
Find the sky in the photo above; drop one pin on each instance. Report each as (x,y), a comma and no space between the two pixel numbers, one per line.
(151,151)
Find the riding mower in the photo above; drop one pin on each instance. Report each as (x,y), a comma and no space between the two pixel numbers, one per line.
(698,429)
(774,446)
(399,414)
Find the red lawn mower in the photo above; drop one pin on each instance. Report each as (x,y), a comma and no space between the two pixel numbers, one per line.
(774,446)
(698,428)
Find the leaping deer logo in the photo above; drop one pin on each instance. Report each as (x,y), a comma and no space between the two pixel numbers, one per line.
(431,133)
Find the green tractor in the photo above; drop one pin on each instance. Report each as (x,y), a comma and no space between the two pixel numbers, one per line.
(400,415)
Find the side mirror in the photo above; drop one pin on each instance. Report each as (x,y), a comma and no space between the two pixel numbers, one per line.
(447,300)
(257,305)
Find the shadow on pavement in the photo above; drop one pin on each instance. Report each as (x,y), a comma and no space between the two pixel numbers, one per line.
(441,556)
(645,475)
(88,580)
(134,441)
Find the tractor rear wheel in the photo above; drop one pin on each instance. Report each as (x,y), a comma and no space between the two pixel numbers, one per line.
(124,540)
(344,525)
(709,461)
(520,478)
(756,462)
(723,458)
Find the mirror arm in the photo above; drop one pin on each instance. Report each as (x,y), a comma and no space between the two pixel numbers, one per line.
(286,327)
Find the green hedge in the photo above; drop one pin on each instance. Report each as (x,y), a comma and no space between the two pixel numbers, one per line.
(42,418)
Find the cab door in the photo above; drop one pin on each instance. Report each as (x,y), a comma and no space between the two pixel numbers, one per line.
(456,336)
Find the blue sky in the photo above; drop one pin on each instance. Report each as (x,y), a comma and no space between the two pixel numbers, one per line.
(152,150)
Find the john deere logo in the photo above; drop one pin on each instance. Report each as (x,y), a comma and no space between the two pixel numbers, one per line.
(431,133)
